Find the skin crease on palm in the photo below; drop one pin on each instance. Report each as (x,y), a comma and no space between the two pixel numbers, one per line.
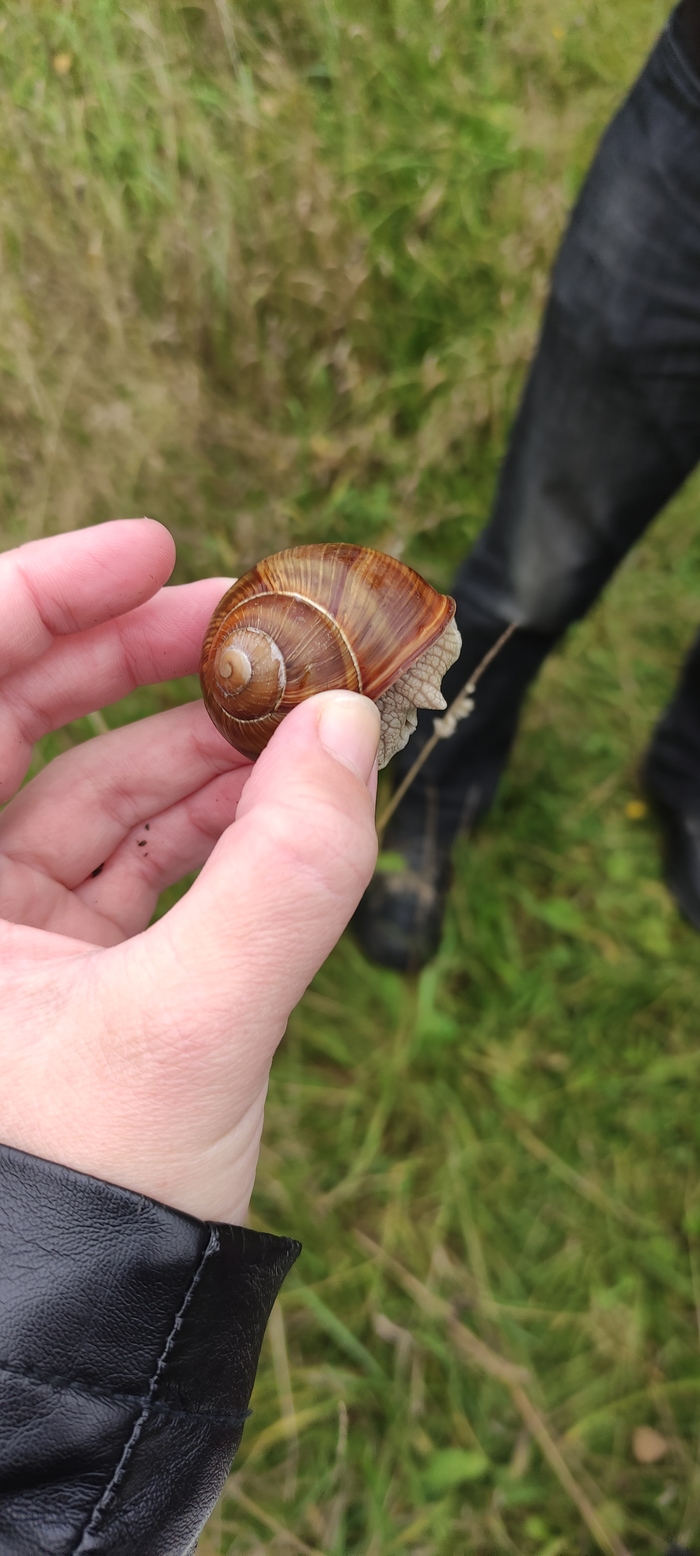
(141,1055)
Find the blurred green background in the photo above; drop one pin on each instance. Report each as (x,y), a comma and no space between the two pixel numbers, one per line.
(273,272)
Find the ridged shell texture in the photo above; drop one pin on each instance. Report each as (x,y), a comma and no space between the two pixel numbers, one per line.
(317,618)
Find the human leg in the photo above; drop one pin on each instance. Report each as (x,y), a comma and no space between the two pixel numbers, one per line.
(672,778)
(608,429)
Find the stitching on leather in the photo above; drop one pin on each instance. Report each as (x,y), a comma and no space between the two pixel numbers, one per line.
(86,1391)
(110,1490)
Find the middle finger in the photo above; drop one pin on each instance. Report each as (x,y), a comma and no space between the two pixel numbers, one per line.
(88,670)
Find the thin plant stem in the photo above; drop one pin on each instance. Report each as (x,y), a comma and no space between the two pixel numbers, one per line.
(477,1354)
(444,727)
(234,1489)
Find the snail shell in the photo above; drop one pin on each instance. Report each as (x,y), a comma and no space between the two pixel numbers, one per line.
(318,618)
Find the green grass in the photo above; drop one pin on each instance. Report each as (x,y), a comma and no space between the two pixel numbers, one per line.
(273,272)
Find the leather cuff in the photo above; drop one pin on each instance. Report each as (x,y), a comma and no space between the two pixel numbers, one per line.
(129,1340)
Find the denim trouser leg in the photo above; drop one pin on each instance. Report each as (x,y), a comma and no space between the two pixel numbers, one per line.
(608,427)
(673,762)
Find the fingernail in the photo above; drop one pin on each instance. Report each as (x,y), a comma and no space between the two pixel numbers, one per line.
(349,730)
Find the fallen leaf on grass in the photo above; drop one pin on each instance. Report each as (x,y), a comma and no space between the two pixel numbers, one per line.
(648,1446)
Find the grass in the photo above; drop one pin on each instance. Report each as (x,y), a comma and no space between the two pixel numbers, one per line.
(273,272)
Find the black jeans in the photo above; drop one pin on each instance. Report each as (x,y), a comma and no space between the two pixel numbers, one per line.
(607,430)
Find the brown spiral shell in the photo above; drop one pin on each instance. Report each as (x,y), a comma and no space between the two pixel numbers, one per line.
(314,618)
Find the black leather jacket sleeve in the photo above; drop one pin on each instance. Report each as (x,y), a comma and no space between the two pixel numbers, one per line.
(129,1340)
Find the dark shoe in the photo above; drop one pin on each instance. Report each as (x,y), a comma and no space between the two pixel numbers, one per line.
(399,920)
(681,835)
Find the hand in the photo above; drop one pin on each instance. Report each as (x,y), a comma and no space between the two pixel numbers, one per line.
(141,1055)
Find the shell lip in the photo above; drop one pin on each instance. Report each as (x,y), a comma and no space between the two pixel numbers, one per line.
(419,648)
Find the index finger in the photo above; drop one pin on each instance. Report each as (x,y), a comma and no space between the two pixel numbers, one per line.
(67,583)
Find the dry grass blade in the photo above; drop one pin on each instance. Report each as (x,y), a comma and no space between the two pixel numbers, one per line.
(471,1347)
(532,1417)
(576,1180)
(459,708)
(280,1359)
(287,1429)
(482,1356)
(273,1524)
(419,1525)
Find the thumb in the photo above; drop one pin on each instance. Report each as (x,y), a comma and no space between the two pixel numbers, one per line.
(282,882)
(171,1034)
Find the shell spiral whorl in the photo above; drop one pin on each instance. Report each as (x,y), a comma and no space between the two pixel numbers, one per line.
(250,670)
(320,618)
